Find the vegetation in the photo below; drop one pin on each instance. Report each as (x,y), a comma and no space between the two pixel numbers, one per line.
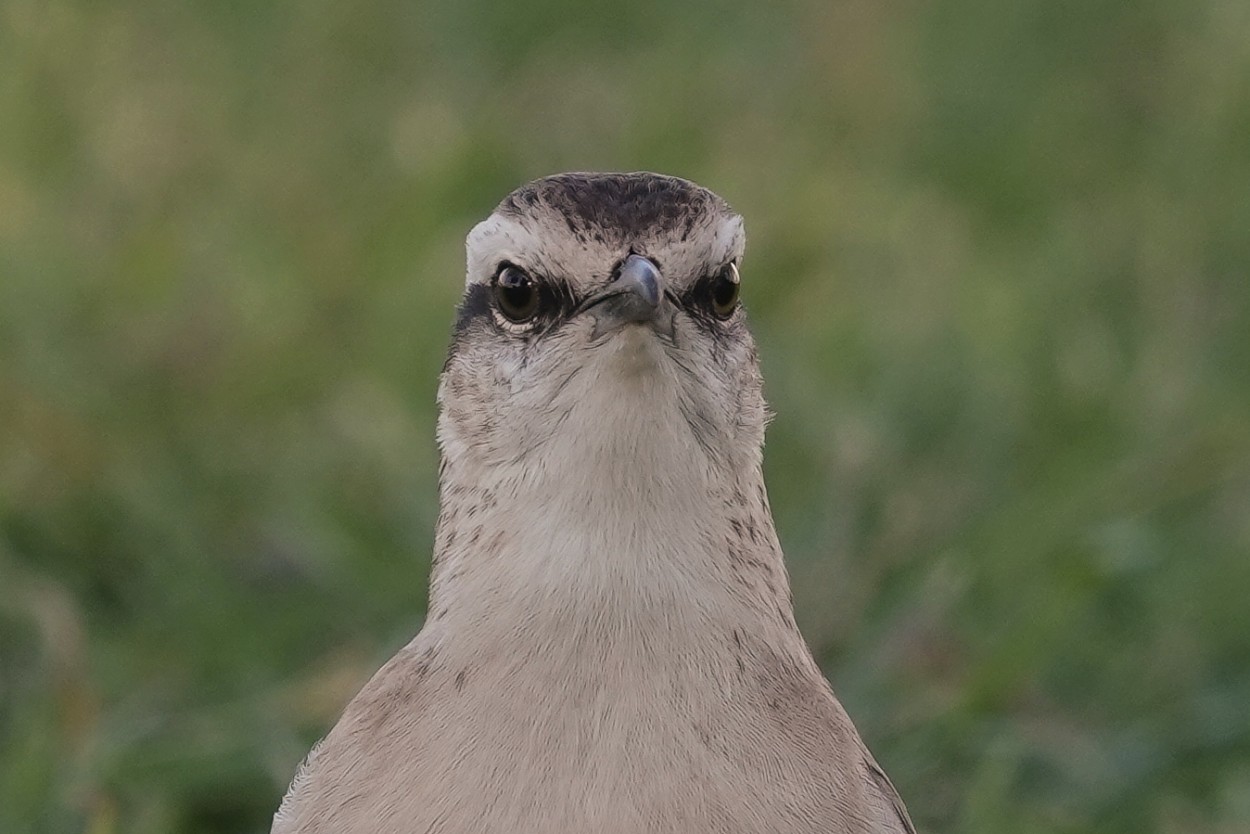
(999,269)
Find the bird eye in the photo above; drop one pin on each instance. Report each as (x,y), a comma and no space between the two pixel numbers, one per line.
(516,294)
(724,291)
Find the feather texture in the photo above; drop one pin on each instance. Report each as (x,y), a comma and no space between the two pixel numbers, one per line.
(611,644)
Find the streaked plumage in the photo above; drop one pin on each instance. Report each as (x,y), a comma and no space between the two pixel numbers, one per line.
(610,644)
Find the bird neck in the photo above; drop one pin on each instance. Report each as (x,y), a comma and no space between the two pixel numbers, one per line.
(610,547)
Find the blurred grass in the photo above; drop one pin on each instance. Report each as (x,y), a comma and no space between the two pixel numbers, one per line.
(1000,273)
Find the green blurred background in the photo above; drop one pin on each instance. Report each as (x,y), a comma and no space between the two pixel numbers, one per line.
(999,268)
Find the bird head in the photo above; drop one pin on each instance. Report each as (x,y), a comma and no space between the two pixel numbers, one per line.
(601,334)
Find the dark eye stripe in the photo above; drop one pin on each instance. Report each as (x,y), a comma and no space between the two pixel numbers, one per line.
(475,306)
(478,303)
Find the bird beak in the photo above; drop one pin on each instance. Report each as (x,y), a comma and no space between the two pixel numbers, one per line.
(635,296)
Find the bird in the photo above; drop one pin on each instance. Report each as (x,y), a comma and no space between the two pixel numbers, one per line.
(610,644)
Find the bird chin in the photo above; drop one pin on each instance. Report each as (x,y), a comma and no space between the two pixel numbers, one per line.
(608,326)
(631,350)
